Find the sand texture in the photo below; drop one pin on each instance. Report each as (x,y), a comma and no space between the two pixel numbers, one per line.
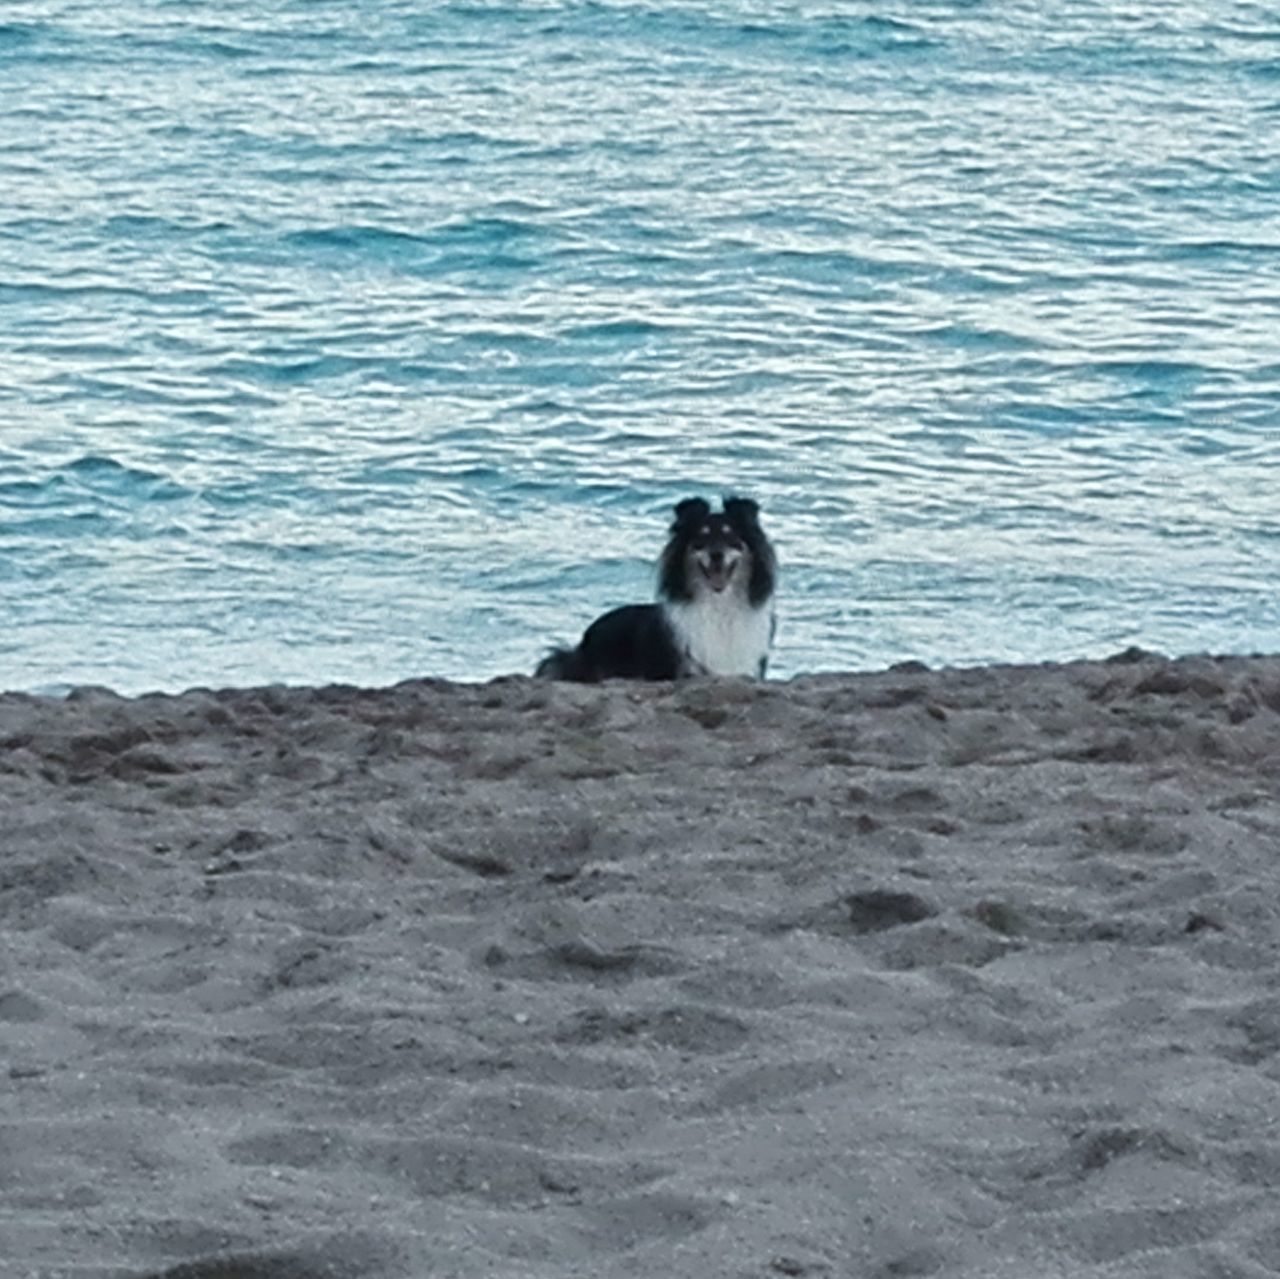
(964,973)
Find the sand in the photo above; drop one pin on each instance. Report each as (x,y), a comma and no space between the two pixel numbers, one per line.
(963,973)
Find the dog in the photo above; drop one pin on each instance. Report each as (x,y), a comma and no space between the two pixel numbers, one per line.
(714,614)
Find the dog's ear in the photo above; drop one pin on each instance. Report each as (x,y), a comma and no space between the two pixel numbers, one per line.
(691,511)
(743,514)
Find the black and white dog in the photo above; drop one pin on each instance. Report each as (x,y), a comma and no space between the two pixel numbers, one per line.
(714,614)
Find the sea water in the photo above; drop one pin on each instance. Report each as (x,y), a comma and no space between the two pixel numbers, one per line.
(347,340)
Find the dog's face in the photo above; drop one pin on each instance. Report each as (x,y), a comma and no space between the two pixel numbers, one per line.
(716,552)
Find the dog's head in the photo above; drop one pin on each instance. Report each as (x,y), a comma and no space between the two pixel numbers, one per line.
(716,551)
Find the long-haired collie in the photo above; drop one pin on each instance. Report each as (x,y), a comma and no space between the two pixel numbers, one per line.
(714,614)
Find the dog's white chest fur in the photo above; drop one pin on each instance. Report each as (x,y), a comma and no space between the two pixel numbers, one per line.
(721,634)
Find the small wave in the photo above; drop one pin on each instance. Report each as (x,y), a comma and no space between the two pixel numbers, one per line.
(91,476)
(152,226)
(843,35)
(19,34)
(1216,249)
(292,372)
(32,493)
(487,230)
(620,331)
(105,475)
(972,338)
(90,479)
(40,291)
(1149,371)
(375,240)
(63,528)
(481,229)
(489,244)
(830,265)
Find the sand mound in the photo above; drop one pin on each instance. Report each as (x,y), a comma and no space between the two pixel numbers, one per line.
(965,973)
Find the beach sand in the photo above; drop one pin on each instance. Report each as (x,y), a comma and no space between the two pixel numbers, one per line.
(963,973)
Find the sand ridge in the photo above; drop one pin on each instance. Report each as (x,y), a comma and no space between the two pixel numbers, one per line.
(964,973)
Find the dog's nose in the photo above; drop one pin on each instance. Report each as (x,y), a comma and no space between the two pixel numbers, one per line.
(717,559)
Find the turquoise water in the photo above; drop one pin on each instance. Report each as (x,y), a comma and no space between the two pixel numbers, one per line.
(357,341)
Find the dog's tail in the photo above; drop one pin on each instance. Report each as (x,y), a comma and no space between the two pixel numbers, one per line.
(560,663)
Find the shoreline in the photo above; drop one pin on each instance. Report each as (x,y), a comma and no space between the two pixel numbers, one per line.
(540,979)
(1133,654)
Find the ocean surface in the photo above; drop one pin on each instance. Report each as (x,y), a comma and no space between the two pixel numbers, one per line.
(347,340)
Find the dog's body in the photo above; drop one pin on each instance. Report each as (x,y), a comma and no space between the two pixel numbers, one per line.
(714,614)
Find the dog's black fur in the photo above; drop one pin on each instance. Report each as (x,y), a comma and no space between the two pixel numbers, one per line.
(714,614)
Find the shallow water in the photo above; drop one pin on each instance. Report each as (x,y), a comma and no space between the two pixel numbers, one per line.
(357,342)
